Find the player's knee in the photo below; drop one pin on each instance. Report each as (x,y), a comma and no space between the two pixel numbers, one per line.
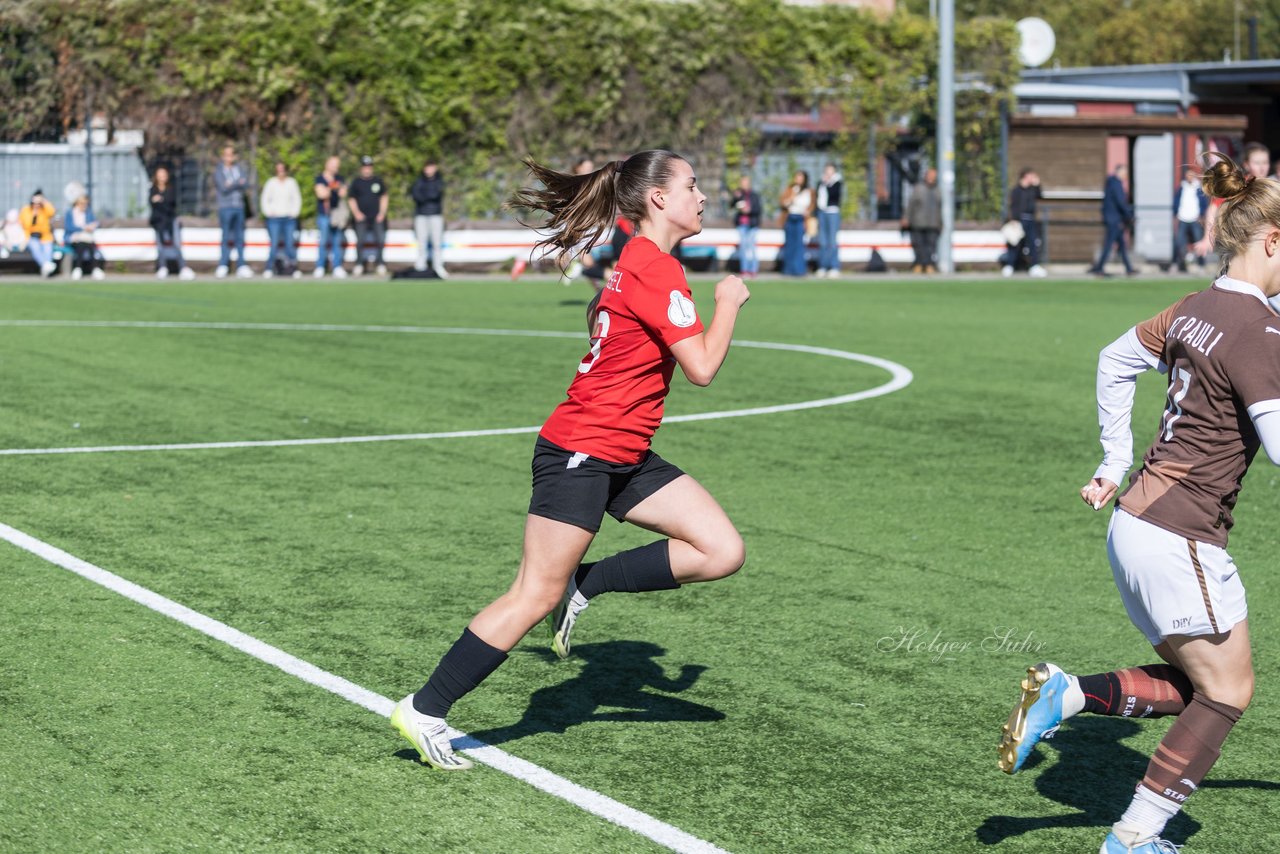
(729,556)
(1238,695)
(1234,692)
(535,598)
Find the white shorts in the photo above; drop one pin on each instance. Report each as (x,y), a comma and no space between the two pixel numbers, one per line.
(1172,585)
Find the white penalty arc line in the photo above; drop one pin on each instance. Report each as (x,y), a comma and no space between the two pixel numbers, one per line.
(900,377)
(523,770)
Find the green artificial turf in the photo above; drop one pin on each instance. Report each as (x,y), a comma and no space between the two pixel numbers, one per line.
(908,557)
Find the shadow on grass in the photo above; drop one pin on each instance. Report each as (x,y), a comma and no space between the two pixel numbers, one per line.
(618,681)
(1095,773)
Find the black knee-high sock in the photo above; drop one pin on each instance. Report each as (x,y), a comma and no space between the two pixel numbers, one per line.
(633,571)
(463,667)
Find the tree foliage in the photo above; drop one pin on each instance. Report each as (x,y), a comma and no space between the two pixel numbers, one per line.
(479,84)
(1136,32)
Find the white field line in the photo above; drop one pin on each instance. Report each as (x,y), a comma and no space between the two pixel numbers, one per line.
(900,377)
(536,776)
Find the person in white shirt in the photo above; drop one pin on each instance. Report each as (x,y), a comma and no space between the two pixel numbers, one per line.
(281,205)
(829,194)
(1189,206)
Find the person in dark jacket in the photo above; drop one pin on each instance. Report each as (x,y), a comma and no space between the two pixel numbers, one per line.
(746,217)
(428,218)
(1117,217)
(924,222)
(1190,204)
(1022,210)
(367,200)
(164,220)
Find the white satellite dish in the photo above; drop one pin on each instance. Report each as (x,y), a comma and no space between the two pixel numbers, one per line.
(1037,41)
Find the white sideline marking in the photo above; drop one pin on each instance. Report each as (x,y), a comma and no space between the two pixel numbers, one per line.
(536,776)
(271,443)
(901,377)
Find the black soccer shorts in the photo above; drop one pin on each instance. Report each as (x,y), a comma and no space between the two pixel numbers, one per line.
(578,489)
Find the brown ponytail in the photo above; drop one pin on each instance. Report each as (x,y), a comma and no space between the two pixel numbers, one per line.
(1248,206)
(582,207)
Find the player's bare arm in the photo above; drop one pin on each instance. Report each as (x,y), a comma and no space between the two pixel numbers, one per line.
(701,356)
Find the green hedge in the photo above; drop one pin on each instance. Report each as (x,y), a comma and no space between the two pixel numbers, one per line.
(480,83)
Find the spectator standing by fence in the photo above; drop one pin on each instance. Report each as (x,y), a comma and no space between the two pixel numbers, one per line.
(830,192)
(164,220)
(428,218)
(332,215)
(230,183)
(1190,204)
(367,199)
(746,216)
(924,222)
(281,204)
(798,203)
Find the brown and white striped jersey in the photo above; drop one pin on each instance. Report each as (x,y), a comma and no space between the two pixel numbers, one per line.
(1221,347)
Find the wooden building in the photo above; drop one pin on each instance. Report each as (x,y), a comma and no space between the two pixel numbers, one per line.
(1074,126)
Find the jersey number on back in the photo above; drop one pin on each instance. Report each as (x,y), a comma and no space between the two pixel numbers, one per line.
(1179,385)
(602,332)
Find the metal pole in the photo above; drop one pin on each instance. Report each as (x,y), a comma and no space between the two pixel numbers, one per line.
(88,146)
(1235,34)
(1004,160)
(946,129)
(873,202)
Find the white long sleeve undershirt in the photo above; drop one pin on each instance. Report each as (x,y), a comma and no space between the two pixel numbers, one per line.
(1119,365)
(1268,426)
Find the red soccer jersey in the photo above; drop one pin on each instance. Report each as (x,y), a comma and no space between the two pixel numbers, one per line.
(615,402)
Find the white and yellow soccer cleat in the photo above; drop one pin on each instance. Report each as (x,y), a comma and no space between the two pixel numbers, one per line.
(428,735)
(562,618)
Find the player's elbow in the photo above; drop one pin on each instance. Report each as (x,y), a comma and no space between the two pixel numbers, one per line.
(699,379)
(699,375)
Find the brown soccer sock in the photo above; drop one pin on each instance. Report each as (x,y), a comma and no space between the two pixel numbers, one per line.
(1149,691)
(1190,747)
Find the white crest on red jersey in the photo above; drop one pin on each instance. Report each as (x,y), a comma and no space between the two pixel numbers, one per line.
(681,311)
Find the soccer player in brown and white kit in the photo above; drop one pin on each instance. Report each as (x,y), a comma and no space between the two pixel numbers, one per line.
(1168,535)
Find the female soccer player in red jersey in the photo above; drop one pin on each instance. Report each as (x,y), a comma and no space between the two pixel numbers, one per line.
(592,454)
(1168,534)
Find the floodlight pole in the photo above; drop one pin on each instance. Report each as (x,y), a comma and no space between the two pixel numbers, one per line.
(88,146)
(946,129)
